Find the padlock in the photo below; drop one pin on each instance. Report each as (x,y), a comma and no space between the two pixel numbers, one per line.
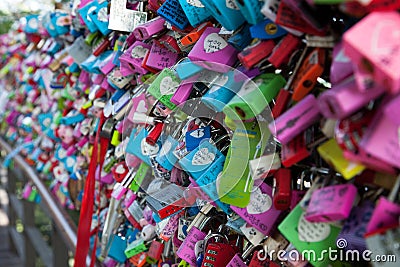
(344,99)
(341,67)
(249,141)
(370,59)
(195,11)
(200,159)
(355,226)
(147,30)
(123,19)
(349,132)
(260,212)
(240,38)
(283,193)
(196,233)
(266,29)
(160,58)
(134,56)
(135,247)
(384,128)
(155,250)
(213,52)
(222,90)
(331,153)
(84,13)
(305,235)
(282,52)
(99,17)
(331,203)
(261,90)
(225,12)
(386,212)
(172,12)
(254,53)
(217,254)
(250,10)
(295,120)
(164,87)
(311,69)
(287,16)
(139,147)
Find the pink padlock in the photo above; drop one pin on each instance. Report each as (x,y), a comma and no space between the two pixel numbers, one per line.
(381,139)
(344,99)
(260,213)
(295,120)
(146,30)
(386,212)
(376,53)
(331,203)
(212,48)
(97,79)
(160,58)
(186,250)
(134,56)
(182,93)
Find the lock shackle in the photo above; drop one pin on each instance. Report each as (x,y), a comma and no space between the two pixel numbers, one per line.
(395,190)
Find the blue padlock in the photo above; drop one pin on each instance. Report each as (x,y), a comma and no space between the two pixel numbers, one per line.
(242,38)
(186,69)
(166,158)
(193,138)
(172,12)
(225,12)
(84,12)
(222,91)
(99,17)
(199,160)
(251,10)
(267,29)
(138,146)
(195,11)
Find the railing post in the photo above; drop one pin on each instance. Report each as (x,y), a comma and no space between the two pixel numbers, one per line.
(29,222)
(60,250)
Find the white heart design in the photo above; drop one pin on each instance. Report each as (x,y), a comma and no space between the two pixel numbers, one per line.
(102,15)
(62,153)
(139,51)
(214,43)
(312,232)
(33,23)
(221,81)
(168,86)
(203,157)
(383,45)
(46,122)
(70,162)
(199,133)
(148,149)
(141,107)
(195,3)
(165,148)
(120,169)
(231,4)
(259,202)
(90,11)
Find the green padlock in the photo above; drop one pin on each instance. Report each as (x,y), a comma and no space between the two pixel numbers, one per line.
(164,87)
(254,96)
(316,241)
(235,184)
(139,177)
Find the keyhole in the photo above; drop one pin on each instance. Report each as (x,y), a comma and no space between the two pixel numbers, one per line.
(240,2)
(240,112)
(367,65)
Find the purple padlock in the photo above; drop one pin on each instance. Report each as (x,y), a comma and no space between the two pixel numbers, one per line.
(295,120)
(160,58)
(344,99)
(182,93)
(212,48)
(134,56)
(331,203)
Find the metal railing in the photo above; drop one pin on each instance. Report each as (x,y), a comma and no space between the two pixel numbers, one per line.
(30,244)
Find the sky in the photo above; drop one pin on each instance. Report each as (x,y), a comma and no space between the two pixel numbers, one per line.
(26,5)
